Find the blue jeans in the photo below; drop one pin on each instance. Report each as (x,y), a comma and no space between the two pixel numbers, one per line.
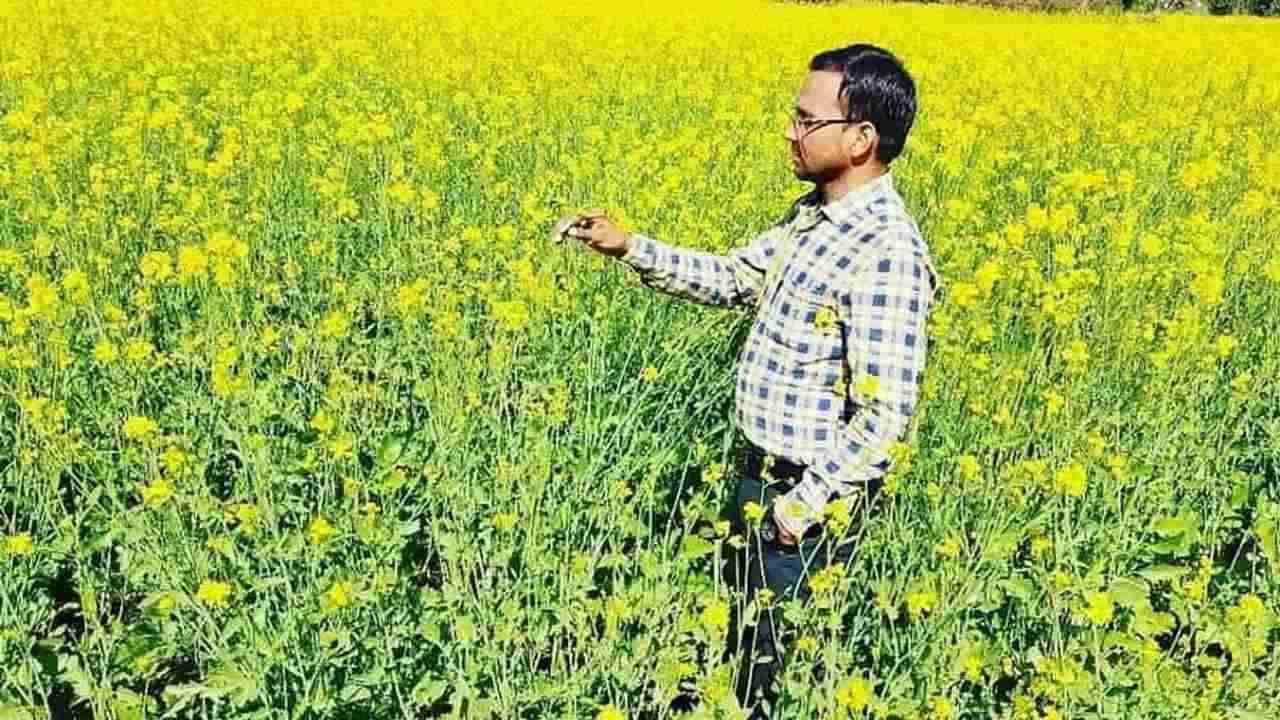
(782,569)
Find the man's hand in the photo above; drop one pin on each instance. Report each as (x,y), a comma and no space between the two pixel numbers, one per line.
(784,537)
(598,232)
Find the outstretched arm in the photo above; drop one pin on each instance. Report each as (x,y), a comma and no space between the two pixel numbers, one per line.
(731,280)
(725,280)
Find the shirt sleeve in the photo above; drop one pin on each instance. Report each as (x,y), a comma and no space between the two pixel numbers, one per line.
(731,280)
(885,309)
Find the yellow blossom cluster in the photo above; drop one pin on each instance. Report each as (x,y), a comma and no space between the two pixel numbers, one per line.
(293,385)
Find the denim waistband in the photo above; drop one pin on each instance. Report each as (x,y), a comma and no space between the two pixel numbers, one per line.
(786,472)
(751,460)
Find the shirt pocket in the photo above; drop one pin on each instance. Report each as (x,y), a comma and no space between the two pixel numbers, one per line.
(808,318)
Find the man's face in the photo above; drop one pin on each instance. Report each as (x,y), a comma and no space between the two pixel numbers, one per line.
(818,155)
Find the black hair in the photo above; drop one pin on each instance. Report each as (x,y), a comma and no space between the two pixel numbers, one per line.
(875,88)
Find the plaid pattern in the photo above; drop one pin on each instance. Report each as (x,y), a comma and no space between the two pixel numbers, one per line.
(830,373)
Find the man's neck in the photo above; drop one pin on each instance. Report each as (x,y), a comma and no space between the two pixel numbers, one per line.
(850,181)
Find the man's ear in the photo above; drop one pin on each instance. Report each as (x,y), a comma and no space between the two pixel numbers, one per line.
(863,141)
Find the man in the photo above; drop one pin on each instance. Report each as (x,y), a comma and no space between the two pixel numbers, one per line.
(828,379)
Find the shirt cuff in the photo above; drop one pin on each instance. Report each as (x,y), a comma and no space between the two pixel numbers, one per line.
(641,253)
(794,512)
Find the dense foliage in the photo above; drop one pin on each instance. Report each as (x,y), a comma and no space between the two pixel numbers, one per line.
(304,416)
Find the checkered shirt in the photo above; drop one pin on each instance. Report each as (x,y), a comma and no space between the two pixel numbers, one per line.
(830,374)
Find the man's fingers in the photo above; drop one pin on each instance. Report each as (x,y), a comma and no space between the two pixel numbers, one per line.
(582,225)
(562,227)
(589,215)
(581,233)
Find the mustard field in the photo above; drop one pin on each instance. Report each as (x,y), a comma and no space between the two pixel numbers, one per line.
(302,415)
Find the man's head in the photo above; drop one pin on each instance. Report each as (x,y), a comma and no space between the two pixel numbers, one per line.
(873,98)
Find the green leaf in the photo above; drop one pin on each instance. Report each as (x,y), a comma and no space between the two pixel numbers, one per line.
(1266,532)
(1002,546)
(1240,494)
(229,682)
(1019,587)
(1115,639)
(138,641)
(694,547)
(181,694)
(1244,714)
(1170,526)
(1163,573)
(1149,623)
(128,705)
(352,694)
(992,598)
(482,708)
(465,629)
(1130,592)
(15,712)
(372,678)
(428,690)
(1173,546)
(391,449)
(75,676)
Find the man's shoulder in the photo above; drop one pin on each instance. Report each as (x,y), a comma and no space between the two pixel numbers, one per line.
(892,233)
(902,241)
(885,228)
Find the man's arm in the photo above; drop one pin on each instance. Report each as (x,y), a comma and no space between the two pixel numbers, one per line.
(733,279)
(886,312)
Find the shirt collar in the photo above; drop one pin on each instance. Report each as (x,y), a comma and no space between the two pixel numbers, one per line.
(846,208)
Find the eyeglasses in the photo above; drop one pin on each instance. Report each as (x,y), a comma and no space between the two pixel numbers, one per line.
(807,125)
